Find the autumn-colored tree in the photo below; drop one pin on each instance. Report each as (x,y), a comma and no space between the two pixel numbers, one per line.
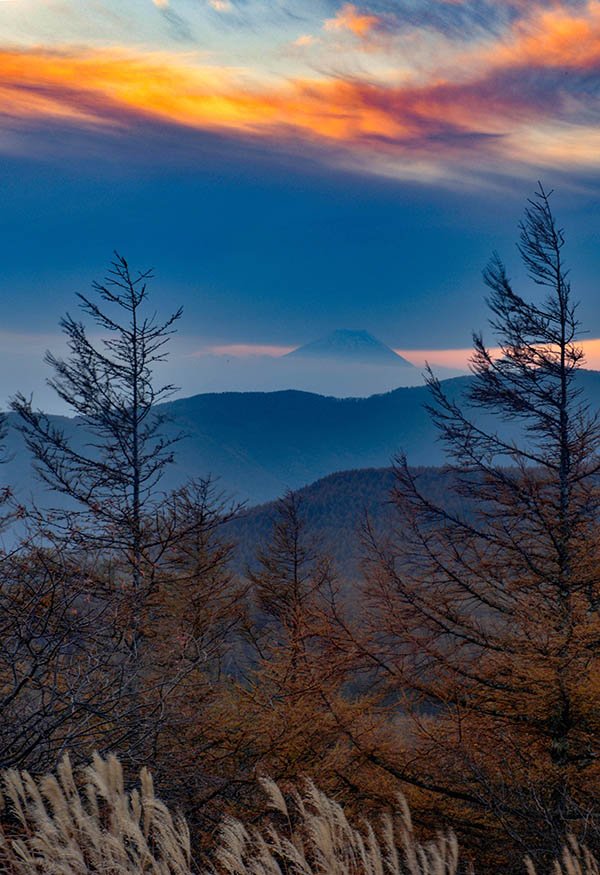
(143,572)
(65,661)
(190,628)
(483,621)
(286,714)
(62,664)
(109,469)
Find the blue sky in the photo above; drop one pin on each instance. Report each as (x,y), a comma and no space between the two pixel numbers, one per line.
(289,168)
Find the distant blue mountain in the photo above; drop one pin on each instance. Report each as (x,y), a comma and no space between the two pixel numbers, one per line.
(260,443)
(351,346)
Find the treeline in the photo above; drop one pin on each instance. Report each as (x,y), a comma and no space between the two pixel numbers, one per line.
(464,671)
(334,510)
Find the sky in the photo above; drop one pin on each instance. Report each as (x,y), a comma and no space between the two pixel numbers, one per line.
(289,167)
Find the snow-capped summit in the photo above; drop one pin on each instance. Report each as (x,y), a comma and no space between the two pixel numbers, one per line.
(352,346)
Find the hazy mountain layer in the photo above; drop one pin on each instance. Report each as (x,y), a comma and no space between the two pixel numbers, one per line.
(259,444)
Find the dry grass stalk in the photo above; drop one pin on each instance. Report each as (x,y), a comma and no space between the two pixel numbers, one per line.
(575,860)
(57,825)
(316,837)
(60,828)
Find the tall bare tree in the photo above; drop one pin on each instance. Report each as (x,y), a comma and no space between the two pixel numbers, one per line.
(112,470)
(483,613)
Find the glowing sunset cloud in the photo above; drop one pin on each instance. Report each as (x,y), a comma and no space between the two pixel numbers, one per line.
(456,359)
(112,87)
(350,19)
(591,349)
(497,104)
(243,350)
(459,359)
(553,37)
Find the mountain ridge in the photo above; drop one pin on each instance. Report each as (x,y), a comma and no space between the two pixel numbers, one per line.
(333,510)
(260,443)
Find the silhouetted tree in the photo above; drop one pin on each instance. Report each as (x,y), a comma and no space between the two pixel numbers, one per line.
(112,470)
(484,618)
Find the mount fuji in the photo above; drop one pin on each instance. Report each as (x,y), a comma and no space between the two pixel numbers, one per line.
(350,346)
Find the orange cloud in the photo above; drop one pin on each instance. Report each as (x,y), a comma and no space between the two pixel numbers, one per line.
(350,19)
(552,37)
(305,39)
(591,349)
(459,358)
(105,86)
(455,359)
(388,127)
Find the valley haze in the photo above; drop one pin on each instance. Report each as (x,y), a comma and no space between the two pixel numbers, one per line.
(258,444)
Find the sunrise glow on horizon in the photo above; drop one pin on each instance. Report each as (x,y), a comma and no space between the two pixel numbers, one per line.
(456,359)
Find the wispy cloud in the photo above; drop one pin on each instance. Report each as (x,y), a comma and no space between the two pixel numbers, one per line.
(244,350)
(519,99)
(179,26)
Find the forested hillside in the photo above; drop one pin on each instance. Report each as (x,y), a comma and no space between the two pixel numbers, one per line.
(334,510)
